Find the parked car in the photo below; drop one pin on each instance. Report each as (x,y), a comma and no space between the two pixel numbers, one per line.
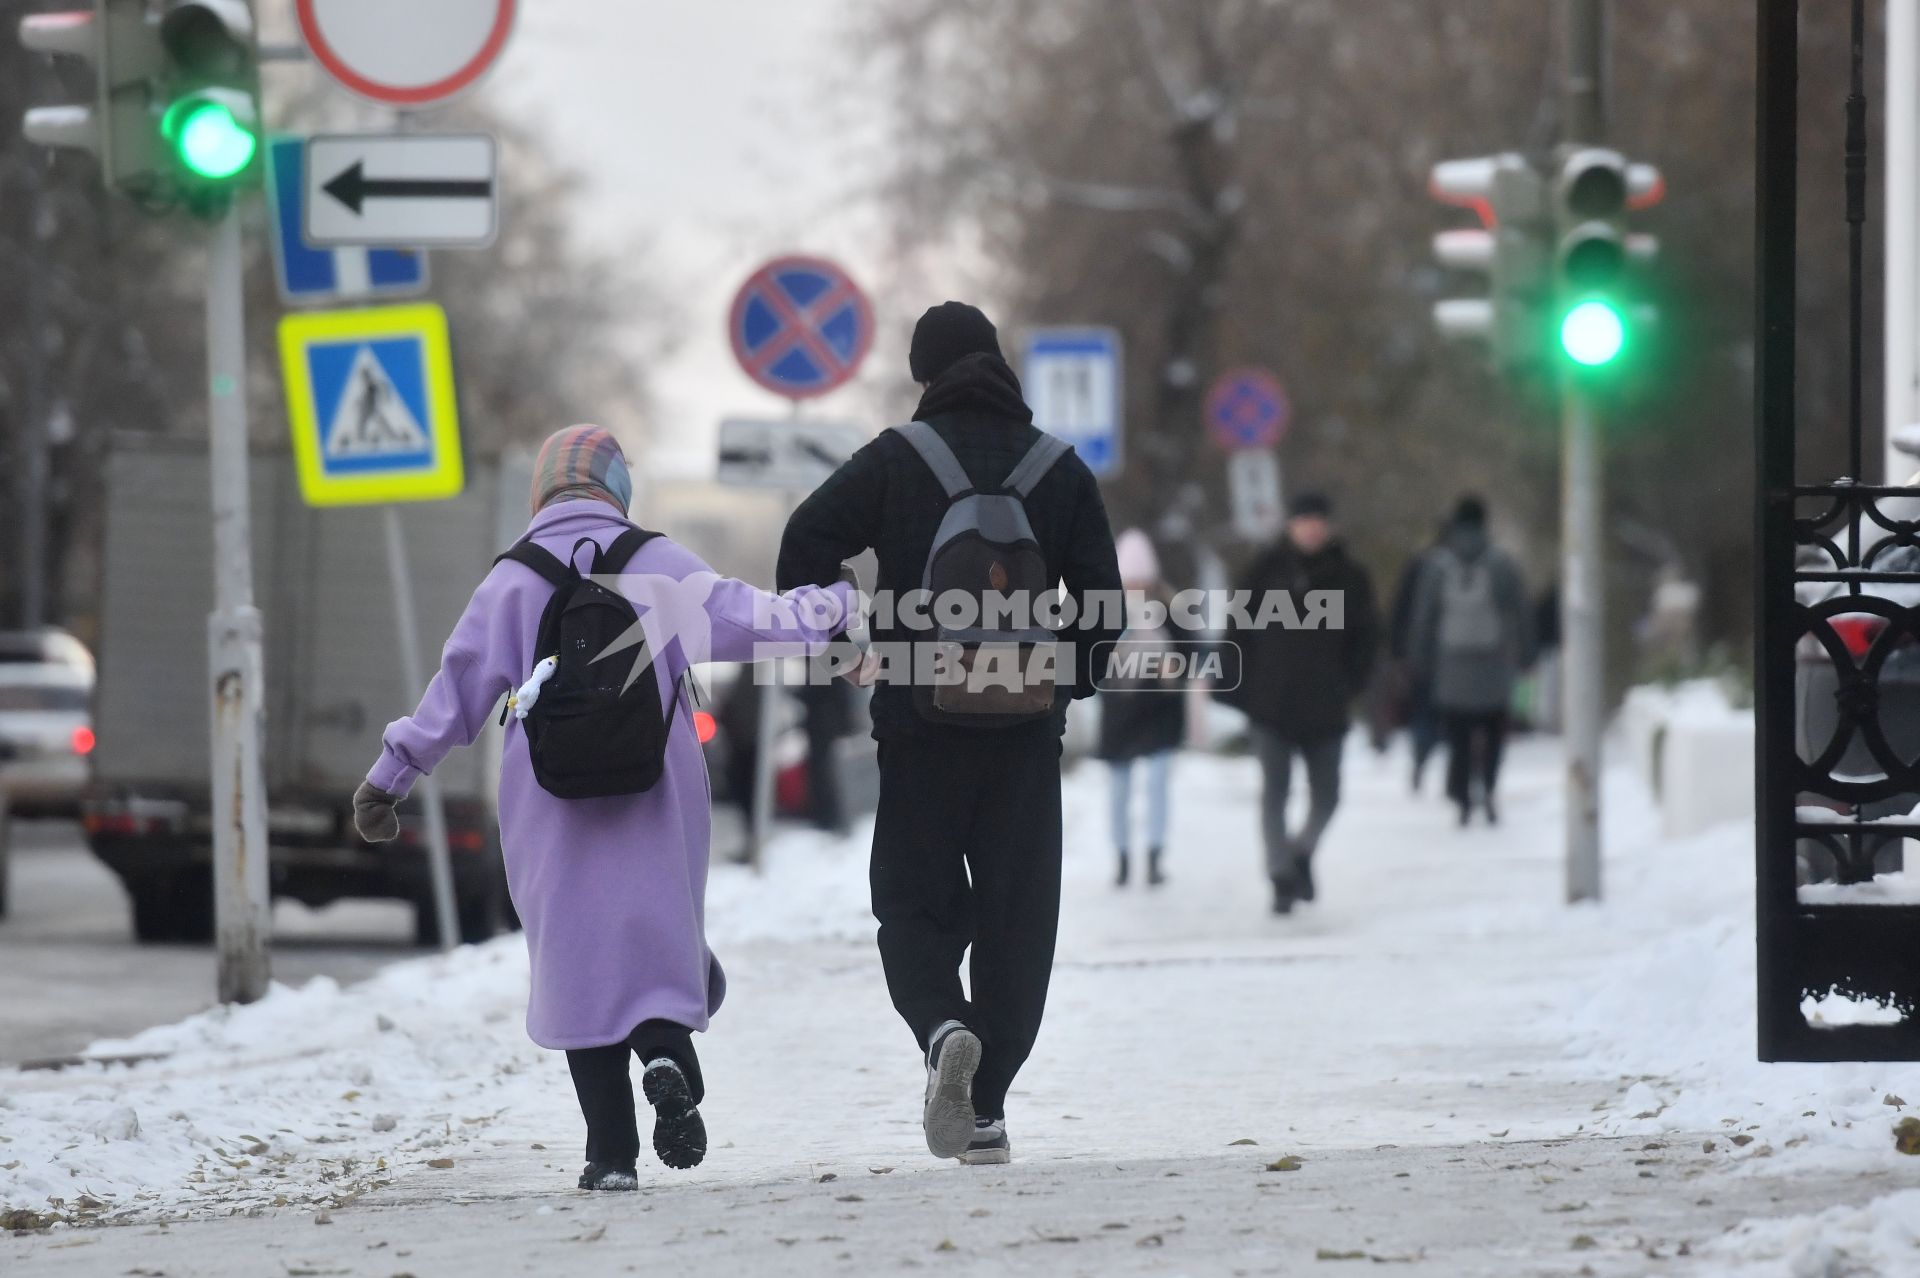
(46,731)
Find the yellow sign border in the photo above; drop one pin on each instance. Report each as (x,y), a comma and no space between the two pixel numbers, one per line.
(445,476)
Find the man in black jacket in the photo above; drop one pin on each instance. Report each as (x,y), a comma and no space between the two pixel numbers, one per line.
(966,841)
(1298,683)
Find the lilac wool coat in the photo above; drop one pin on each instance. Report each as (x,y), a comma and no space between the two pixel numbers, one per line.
(611,891)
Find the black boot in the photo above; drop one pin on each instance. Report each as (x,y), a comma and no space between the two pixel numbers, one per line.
(1282,897)
(1155,875)
(1120,879)
(1303,876)
(617,1177)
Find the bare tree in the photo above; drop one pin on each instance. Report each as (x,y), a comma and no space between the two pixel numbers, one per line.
(1243,181)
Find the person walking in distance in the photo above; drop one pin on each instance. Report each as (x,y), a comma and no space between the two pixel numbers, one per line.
(973,505)
(1143,718)
(1423,722)
(1299,682)
(604,810)
(1470,641)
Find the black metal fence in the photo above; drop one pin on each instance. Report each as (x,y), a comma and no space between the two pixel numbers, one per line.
(1837,674)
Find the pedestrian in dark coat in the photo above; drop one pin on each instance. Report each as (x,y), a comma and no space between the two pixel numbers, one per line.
(1471,640)
(1423,721)
(1143,718)
(966,840)
(1298,684)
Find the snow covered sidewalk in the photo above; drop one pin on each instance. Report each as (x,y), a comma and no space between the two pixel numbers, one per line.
(1562,1088)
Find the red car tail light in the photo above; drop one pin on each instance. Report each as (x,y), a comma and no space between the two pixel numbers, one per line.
(83,740)
(1857,632)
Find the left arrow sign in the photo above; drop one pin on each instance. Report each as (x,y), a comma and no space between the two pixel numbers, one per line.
(354,188)
(408,189)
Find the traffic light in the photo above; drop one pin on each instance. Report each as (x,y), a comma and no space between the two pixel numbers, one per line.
(175,116)
(120,40)
(209,118)
(1510,248)
(1593,192)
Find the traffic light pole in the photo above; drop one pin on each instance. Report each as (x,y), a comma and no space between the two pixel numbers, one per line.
(1583,574)
(242,917)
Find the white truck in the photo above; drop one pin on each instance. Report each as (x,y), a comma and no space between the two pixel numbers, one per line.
(332,682)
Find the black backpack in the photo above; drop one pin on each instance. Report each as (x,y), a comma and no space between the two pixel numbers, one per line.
(590,735)
(985,549)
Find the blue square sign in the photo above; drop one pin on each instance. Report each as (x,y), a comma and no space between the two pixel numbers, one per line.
(1072,380)
(308,274)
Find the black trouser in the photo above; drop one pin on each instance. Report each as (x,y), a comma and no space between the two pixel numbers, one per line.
(602,1081)
(966,851)
(1321,754)
(1475,741)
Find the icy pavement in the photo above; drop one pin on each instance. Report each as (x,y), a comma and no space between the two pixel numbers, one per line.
(1473,1079)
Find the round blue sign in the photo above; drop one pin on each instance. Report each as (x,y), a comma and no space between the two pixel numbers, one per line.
(800,327)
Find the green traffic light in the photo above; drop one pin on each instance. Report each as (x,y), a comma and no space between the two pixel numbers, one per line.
(1593,334)
(210,140)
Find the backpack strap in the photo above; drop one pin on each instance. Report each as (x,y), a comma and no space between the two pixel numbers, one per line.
(1047,450)
(939,458)
(544,562)
(621,550)
(611,560)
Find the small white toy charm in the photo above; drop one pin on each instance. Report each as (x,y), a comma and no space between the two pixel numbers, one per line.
(529,695)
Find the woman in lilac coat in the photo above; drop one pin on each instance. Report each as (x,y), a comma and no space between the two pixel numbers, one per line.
(611,890)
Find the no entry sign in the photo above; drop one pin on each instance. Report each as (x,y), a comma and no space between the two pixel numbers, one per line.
(414,53)
(800,327)
(1247,408)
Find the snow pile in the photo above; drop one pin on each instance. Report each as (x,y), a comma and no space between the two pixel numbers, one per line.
(813,887)
(316,1094)
(310,1096)
(1676,1011)
(1882,1237)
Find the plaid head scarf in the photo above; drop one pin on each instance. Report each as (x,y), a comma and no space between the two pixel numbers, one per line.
(581,461)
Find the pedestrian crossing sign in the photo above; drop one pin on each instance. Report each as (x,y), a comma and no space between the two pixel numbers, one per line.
(371,401)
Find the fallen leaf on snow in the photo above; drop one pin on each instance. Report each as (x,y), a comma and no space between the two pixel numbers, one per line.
(1328,1253)
(1906,1135)
(1244,1140)
(1289,1163)
(441,1163)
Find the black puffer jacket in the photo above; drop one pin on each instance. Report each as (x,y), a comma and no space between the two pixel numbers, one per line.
(885,499)
(1303,682)
(1141,717)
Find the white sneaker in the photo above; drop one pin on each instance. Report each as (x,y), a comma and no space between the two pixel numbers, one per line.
(989,1144)
(952,1061)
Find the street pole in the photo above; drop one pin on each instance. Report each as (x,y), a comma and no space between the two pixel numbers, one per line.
(439,858)
(1903,233)
(242,914)
(32,477)
(1583,574)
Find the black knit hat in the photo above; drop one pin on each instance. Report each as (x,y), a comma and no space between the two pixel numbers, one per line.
(1471,512)
(1311,505)
(946,334)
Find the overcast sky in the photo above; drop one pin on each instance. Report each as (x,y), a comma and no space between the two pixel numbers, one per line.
(710,131)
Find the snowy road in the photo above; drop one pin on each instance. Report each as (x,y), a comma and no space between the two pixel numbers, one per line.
(1474,1079)
(71,972)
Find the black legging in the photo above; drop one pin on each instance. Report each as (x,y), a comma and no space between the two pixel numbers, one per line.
(603,1082)
(1475,742)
